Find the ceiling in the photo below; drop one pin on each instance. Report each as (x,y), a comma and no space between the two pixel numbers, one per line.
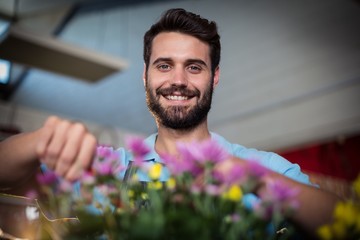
(290,70)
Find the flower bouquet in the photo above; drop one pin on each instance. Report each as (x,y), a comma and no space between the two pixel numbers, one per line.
(196,202)
(346,218)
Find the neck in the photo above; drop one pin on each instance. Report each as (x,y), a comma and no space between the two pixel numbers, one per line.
(167,138)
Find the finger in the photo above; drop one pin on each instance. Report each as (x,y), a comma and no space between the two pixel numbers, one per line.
(46,134)
(84,158)
(54,149)
(71,148)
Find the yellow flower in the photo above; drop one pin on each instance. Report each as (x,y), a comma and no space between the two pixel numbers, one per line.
(339,229)
(132,204)
(356,186)
(120,210)
(134,178)
(155,171)
(233,194)
(171,183)
(131,193)
(155,185)
(324,232)
(144,196)
(357,226)
(346,212)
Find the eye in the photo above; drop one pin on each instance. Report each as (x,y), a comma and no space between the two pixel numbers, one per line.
(194,69)
(163,67)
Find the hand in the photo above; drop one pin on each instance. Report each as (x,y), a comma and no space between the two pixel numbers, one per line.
(65,147)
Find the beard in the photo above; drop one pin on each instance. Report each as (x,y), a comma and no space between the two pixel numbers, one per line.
(179,117)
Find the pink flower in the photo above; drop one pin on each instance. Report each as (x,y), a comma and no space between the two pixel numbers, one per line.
(47,178)
(137,145)
(87,178)
(65,186)
(103,168)
(255,169)
(195,189)
(262,210)
(235,217)
(103,151)
(212,151)
(139,149)
(213,190)
(277,197)
(178,166)
(107,161)
(195,155)
(206,151)
(280,192)
(32,194)
(233,176)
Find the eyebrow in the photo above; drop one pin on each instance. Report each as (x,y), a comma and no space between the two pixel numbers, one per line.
(162,60)
(188,61)
(198,61)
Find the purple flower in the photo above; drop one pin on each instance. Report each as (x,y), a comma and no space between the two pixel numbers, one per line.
(32,194)
(103,151)
(264,211)
(103,168)
(87,178)
(278,197)
(280,192)
(107,161)
(139,162)
(137,145)
(202,152)
(65,186)
(255,169)
(213,190)
(195,189)
(178,166)
(235,217)
(212,151)
(195,155)
(233,176)
(47,178)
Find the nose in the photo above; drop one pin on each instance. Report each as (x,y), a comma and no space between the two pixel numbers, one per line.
(179,78)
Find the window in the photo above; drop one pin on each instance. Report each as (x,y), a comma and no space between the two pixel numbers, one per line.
(5,66)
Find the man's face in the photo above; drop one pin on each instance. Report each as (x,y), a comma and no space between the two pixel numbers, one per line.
(179,84)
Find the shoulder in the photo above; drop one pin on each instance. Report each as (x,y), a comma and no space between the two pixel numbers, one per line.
(270,160)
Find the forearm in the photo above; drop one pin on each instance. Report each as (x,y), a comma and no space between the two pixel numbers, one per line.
(315,206)
(18,159)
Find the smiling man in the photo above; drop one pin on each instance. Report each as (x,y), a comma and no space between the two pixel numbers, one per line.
(179,81)
(181,71)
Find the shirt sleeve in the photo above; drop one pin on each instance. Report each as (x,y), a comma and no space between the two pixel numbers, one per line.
(273,162)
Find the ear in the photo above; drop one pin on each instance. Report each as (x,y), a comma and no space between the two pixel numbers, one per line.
(144,74)
(216,76)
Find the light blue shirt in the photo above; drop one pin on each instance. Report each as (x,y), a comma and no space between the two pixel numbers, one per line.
(269,160)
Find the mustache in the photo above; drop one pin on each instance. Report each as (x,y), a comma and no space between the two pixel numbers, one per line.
(179,89)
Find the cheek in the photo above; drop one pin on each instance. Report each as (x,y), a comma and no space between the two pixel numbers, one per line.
(202,87)
(156,80)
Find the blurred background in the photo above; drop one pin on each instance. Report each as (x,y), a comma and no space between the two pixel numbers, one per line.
(289,82)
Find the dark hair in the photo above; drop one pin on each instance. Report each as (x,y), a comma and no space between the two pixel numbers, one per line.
(180,20)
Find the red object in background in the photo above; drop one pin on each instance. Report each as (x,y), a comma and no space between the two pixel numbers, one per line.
(340,159)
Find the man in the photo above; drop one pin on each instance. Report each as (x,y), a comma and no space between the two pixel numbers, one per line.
(181,70)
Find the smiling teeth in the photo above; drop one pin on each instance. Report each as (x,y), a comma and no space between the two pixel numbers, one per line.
(177,98)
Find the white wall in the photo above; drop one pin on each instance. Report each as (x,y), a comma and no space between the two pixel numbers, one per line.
(290,71)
